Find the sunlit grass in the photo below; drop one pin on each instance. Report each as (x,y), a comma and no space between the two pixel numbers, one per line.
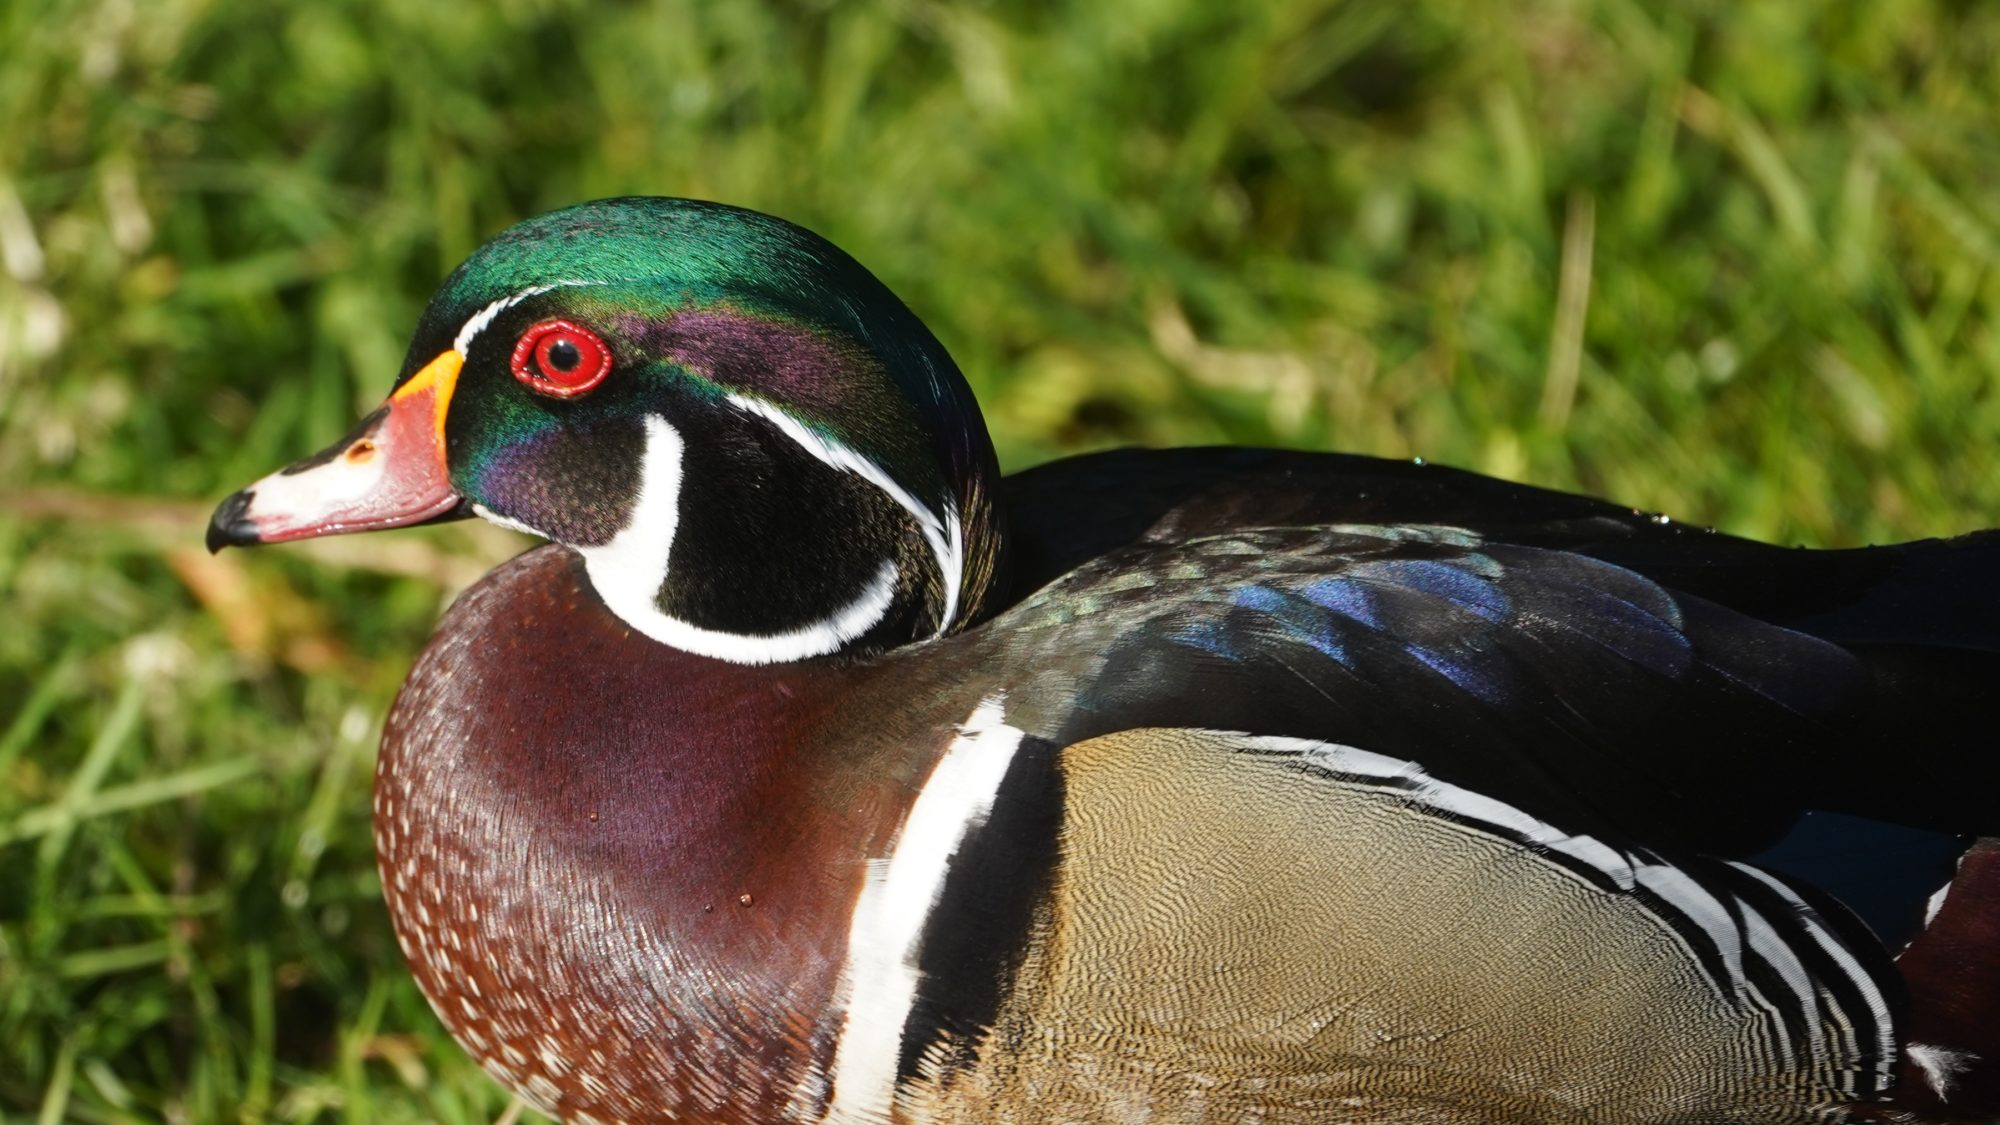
(1733,261)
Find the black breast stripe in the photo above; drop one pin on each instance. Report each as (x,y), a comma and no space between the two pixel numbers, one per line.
(985,916)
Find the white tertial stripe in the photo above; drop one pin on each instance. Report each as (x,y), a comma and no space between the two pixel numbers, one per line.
(630,570)
(1733,928)
(479,320)
(1464,803)
(880,978)
(944,536)
(1698,905)
(1878,1004)
(1622,869)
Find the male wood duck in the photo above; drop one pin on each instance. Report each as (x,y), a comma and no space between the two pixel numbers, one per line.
(817,772)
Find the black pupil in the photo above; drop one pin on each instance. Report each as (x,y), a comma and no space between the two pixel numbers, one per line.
(564,355)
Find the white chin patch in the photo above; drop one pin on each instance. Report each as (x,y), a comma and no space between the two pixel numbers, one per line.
(630,571)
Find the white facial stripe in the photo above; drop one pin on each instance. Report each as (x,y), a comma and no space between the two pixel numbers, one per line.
(880,978)
(630,571)
(473,327)
(945,537)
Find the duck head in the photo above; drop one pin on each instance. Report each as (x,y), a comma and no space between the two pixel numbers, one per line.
(759,452)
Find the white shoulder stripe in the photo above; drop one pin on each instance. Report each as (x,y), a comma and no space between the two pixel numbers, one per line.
(881,976)
(944,536)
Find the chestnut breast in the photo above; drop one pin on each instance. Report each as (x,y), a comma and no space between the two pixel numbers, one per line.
(624,875)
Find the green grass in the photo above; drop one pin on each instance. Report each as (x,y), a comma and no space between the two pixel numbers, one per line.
(1734,260)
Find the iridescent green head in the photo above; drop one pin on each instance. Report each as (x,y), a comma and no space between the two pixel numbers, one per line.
(759,451)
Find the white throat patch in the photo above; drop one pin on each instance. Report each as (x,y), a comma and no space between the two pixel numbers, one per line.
(630,571)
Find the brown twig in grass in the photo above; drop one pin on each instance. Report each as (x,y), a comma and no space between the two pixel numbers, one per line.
(179,524)
(263,616)
(1572,308)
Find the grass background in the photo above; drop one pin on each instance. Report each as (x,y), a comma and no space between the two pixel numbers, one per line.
(1731,259)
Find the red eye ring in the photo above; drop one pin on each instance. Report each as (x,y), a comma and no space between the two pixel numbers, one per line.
(561,359)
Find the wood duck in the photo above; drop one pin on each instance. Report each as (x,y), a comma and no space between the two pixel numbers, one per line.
(818,772)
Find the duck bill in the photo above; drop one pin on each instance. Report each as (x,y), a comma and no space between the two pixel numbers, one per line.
(389,472)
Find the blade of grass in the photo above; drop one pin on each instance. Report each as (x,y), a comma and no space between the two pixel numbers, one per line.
(118,728)
(55,1097)
(50,690)
(1572,308)
(90,963)
(262,1047)
(67,813)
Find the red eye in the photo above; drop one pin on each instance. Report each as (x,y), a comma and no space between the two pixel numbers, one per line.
(561,359)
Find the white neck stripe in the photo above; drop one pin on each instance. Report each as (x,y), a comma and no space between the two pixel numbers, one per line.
(945,537)
(880,978)
(630,571)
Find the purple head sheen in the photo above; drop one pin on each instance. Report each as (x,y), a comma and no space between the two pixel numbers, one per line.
(824,379)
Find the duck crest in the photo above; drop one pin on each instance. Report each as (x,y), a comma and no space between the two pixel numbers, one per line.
(1241,785)
(783,463)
